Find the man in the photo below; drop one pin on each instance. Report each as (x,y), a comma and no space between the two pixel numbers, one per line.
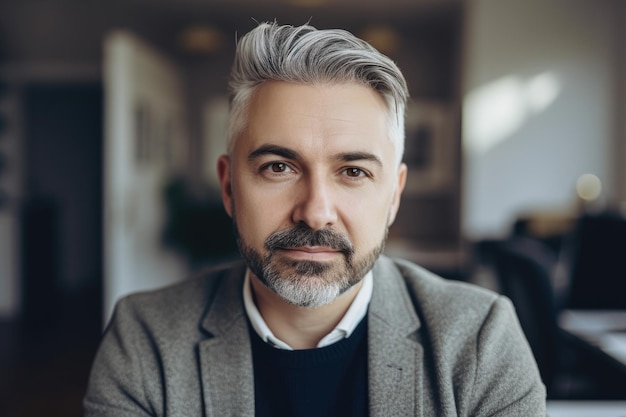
(315,322)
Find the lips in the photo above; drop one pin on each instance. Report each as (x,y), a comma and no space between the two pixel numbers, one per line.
(317,253)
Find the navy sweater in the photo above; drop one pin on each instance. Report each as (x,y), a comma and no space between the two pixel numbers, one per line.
(327,381)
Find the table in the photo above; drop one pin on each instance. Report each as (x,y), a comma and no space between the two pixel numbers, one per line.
(601,330)
(586,408)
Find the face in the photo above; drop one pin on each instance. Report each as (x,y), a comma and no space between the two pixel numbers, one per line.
(312,187)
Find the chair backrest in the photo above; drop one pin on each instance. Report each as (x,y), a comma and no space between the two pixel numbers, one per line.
(523,269)
(596,259)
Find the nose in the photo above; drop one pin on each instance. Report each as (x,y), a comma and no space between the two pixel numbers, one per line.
(315,204)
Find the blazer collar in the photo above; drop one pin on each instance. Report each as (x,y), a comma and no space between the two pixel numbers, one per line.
(225,357)
(395,357)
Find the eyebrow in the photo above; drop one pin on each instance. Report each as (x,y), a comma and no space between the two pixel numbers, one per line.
(359,156)
(273,150)
(291,154)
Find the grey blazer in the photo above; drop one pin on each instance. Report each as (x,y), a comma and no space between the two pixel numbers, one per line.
(436,348)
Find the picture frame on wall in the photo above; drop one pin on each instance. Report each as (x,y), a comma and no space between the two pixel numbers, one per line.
(160,141)
(431,147)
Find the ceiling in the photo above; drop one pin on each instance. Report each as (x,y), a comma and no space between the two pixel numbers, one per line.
(35,31)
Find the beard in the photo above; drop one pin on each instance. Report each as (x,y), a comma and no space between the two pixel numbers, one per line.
(307,283)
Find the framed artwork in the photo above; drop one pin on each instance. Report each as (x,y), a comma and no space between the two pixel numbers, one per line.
(159,140)
(431,146)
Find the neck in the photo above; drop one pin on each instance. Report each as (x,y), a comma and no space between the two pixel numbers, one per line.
(300,327)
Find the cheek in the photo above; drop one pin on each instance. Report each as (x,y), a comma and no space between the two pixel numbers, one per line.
(258,215)
(365,220)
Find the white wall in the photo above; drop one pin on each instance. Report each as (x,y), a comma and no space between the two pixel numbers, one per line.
(538,102)
(136,76)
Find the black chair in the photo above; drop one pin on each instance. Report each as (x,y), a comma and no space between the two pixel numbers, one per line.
(595,256)
(523,269)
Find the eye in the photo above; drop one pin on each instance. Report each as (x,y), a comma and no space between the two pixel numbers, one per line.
(276,168)
(354,172)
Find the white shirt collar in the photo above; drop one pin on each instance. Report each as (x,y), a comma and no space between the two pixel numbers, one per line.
(345,327)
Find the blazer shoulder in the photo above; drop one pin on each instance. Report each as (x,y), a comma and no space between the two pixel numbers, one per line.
(477,351)
(444,301)
(426,284)
(177,303)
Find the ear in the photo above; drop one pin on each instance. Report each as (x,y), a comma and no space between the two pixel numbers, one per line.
(399,187)
(223,173)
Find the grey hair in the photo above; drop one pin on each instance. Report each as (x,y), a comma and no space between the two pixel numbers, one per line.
(303,54)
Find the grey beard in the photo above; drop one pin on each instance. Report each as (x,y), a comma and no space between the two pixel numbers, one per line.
(307,283)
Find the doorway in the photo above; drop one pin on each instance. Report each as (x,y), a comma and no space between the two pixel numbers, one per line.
(61,216)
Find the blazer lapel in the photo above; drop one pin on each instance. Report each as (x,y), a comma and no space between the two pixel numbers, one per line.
(395,354)
(226,357)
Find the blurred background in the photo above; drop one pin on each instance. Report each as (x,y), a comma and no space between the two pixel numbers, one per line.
(113,114)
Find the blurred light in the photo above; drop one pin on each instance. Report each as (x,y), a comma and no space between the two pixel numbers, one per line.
(494,111)
(201,40)
(541,91)
(588,187)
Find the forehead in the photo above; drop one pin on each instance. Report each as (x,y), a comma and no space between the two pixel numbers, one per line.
(317,118)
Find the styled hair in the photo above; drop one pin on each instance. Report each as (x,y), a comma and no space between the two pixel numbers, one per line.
(306,55)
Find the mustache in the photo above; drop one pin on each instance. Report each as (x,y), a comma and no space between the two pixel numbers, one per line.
(302,235)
